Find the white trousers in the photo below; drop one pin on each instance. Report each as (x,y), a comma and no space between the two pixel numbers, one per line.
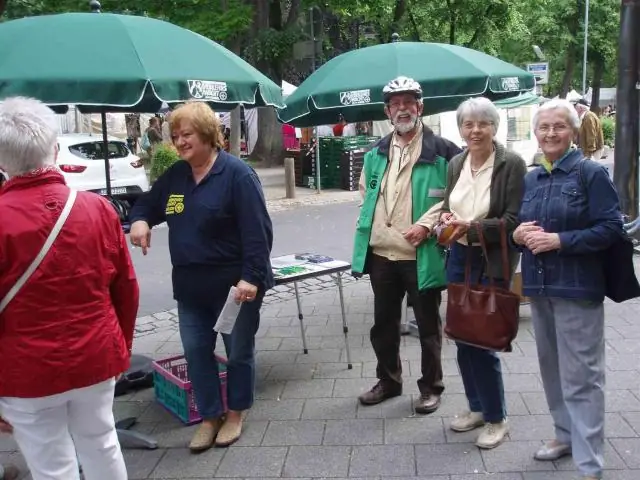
(54,432)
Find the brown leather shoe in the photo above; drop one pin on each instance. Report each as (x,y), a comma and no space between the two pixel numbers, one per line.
(427,403)
(11,472)
(379,394)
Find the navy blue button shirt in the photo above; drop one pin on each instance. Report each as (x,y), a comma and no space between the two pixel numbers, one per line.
(577,200)
(219,230)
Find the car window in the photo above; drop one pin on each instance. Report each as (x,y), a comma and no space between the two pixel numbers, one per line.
(94,150)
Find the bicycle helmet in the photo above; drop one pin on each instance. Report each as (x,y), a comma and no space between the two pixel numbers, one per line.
(402,85)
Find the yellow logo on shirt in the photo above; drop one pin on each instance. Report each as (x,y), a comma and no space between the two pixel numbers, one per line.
(175,205)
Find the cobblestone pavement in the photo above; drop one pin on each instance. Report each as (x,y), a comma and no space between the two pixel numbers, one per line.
(306,421)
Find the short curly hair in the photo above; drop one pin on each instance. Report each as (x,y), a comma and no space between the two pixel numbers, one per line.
(203,120)
(28,135)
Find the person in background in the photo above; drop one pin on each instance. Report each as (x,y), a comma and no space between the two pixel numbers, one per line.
(220,236)
(349,130)
(166,129)
(403,182)
(68,331)
(338,128)
(153,132)
(590,135)
(132,122)
(484,185)
(325,131)
(570,213)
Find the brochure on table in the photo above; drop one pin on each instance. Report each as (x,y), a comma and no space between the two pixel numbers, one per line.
(303,264)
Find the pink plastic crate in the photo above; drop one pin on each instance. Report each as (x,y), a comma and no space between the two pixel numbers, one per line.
(173,389)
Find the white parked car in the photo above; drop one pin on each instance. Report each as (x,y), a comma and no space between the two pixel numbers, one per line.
(81,160)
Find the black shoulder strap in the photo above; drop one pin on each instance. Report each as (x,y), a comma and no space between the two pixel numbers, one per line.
(583,185)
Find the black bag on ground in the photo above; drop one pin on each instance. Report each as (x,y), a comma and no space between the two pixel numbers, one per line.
(138,377)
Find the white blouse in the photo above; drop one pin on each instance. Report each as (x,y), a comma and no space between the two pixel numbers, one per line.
(470,197)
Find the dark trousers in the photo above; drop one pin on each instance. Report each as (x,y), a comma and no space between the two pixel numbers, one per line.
(480,369)
(199,341)
(390,281)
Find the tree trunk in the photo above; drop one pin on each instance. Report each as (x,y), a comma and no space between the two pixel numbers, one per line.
(569,67)
(598,72)
(294,13)
(625,170)
(235,120)
(268,148)
(3,6)
(332,28)
(452,23)
(414,27)
(398,13)
(234,138)
(482,27)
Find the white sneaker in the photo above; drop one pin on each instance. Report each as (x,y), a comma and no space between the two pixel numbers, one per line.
(467,421)
(492,435)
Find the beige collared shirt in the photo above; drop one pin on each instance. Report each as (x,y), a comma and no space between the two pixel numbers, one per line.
(469,200)
(394,207)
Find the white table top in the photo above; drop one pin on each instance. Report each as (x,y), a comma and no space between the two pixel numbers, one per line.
(295,267)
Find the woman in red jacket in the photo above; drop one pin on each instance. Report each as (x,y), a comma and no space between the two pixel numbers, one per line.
(66,327)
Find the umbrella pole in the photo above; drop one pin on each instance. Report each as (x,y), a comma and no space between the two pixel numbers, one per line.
(317,140)
(105,149)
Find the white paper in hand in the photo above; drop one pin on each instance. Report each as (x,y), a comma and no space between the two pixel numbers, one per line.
(229,314)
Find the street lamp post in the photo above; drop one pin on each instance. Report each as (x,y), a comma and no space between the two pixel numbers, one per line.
(584,53)
(315,129)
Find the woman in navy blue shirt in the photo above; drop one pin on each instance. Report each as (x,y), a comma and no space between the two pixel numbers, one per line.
(220,235)
(570,214)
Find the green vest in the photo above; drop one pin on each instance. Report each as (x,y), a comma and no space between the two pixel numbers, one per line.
(426,178)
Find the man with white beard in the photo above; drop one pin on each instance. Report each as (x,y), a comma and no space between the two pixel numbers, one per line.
(403,182)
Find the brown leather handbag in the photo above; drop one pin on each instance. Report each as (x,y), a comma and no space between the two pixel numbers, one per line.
(485,316)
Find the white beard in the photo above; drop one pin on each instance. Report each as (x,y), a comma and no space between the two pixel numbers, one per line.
(405,127)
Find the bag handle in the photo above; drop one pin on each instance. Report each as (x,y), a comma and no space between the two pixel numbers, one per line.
(43,251)
(506,271)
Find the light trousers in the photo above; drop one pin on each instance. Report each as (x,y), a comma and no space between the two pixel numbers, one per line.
(570,342)
(54,432)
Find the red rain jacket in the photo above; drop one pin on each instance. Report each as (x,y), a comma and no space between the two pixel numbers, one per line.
(71,325)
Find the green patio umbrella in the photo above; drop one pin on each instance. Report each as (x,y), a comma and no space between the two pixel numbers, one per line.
(123,63)
(522,100)
(351,84)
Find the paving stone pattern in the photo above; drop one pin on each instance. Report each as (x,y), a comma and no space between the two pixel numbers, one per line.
(306,422)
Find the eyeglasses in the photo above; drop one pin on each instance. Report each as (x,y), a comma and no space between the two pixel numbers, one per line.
(558,128)
(403,103)
(481,125)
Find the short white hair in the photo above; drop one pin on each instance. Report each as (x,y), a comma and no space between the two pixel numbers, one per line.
(480,108)
(28,135)
(558,104)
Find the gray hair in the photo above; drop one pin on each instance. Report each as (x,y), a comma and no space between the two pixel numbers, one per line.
(28,135)
(558,104)
(481,108)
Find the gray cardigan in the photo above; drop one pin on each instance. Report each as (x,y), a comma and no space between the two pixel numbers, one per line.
(507,186)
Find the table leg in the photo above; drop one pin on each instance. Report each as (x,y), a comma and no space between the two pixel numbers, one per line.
(301,318)
(345,327)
